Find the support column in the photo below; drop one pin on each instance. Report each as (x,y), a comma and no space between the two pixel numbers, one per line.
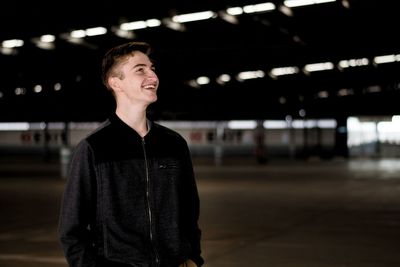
(218,153)
(259,136)
(341,148)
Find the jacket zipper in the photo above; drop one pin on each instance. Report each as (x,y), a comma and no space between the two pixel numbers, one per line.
(148,202)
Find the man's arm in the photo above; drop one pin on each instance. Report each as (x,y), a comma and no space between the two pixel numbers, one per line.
(76,209)
(192,209)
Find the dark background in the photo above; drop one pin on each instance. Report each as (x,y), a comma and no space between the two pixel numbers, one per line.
(259,41)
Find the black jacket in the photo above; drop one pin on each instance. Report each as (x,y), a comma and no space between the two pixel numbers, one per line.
(130,201)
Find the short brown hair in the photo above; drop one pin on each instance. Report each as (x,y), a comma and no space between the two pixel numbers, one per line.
(117,54)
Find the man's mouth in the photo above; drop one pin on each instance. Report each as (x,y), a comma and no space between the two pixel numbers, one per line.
(150,87)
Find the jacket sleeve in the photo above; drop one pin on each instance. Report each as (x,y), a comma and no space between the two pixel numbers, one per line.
(191,209)
(77,207)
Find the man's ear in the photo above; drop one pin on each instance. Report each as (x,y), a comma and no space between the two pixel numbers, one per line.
(114,83)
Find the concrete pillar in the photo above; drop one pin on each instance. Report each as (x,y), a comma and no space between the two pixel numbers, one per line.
(259,137)
(218,153)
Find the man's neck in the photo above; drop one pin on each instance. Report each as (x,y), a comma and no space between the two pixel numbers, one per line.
(136,119)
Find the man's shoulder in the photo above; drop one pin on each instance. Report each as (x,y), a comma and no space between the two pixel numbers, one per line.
(167,132)
(99,135)
(99,131)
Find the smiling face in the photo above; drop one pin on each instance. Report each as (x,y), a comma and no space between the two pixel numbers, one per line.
(134,81)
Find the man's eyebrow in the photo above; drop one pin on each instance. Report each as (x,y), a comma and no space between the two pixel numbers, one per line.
(142,65)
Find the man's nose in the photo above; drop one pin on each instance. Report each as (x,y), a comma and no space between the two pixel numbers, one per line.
(152,74)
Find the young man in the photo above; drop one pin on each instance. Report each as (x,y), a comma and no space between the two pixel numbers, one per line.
(131,198)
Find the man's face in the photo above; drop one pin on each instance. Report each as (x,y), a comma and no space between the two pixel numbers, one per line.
(139,82)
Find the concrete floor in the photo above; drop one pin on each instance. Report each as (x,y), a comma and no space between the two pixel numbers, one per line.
(284,214)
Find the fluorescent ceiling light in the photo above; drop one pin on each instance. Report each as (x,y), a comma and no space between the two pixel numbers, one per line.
(318,66)
(141,24)
(258,8)
(296,3)
(78,34)
(353,62)
(47,38)
(203,80)
(38,88)
(284,71)
(134,25)
(223,78)
(193,16)
(345,92)
(234,11)
(96,31)
(245,75)
(323,94)
(12,43)
(20,91)
(153,23)
(385,59)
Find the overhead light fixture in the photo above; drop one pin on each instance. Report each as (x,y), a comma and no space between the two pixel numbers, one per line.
(263,7)
(183,18)
(20,91)
(323,94)
(275,72)
(296,3)
(13,43)
(134,25)
(45,41)
(78,34)
(234,11)
(95,31)
(141,24)
(223,78)
(203,80)
(57,86)
(246,75)
(373,89)
(385,59)
(153,23)
(282,100)
(353,63)
(318,67)
(37,88)
(345,92)
(47,38)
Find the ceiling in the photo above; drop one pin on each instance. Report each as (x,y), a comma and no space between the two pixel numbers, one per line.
(326,32)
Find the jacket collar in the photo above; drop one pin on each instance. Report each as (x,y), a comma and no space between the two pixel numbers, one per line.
(114,119)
